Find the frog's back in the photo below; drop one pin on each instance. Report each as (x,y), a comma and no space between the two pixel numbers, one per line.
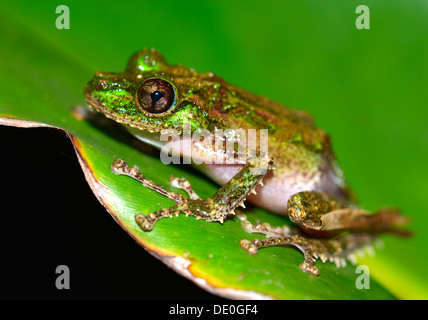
(303,157)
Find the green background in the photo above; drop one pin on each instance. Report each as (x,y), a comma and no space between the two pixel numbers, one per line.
(367,88)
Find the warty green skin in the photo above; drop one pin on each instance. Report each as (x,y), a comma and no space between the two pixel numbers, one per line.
(306,172)
(302,154)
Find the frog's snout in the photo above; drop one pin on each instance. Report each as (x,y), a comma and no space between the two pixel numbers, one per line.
(99,81)
(94,87)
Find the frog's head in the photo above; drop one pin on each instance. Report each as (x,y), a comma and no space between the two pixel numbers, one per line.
(150,95)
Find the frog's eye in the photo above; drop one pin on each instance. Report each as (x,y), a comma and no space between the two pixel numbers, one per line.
(156,96)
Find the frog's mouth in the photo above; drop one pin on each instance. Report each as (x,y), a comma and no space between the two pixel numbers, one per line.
(96,105)
(92,101)
(95,94)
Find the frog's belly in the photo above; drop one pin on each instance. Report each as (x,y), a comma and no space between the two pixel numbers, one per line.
(277,189)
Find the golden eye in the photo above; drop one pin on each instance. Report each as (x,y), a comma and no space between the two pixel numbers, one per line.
(156,96)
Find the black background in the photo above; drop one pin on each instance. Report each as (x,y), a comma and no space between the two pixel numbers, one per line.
(50,217)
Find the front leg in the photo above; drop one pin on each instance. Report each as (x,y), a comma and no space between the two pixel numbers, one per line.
(215,208)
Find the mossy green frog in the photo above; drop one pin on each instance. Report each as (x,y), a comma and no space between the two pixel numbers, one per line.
(298,176)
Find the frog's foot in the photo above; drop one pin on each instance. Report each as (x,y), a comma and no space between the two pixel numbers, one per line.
(215,208)
(277,237)
(333,230)
(336,250)
(120,167)
(182,183)
(200,209)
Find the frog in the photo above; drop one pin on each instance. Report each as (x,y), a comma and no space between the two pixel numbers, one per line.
(298,176)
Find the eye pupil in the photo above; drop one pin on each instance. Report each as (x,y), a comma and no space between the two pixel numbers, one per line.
(157,95)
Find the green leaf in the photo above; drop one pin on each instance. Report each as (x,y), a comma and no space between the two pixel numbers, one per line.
(44,77)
